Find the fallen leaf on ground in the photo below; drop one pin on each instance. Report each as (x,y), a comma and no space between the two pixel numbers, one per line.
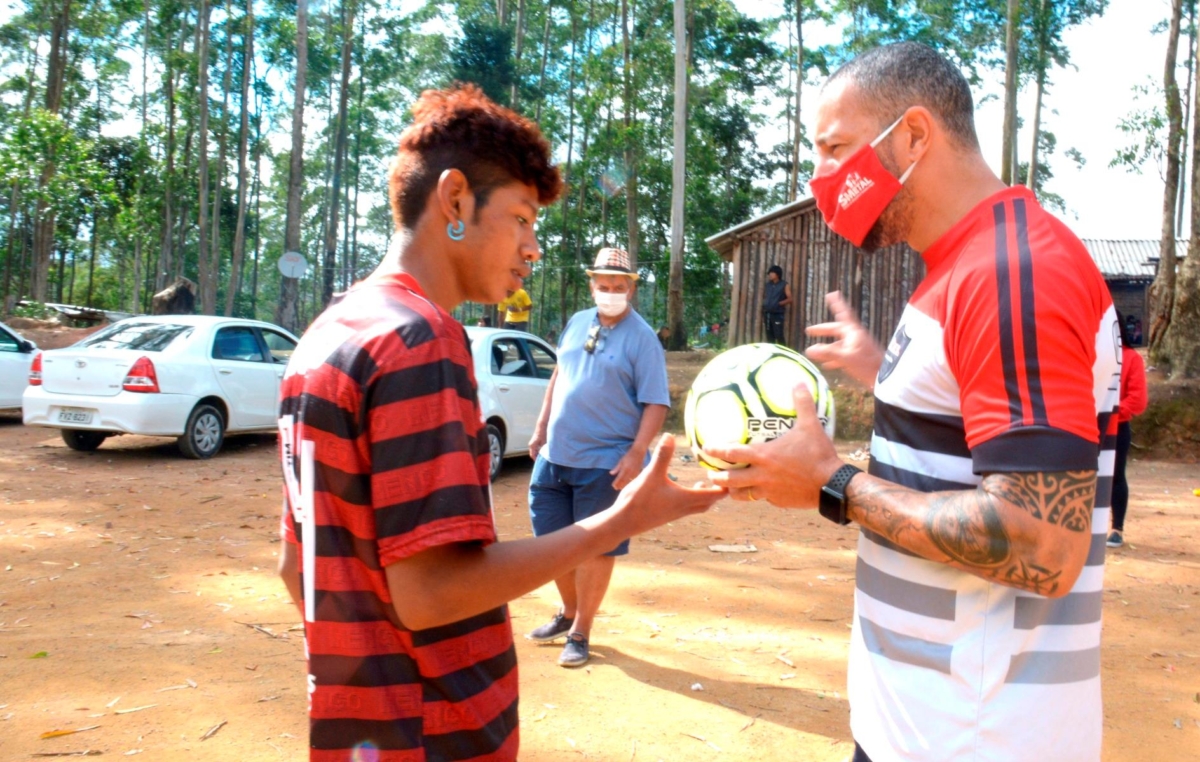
(57,733)
(213,730)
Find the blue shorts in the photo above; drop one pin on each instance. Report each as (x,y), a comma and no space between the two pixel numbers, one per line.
(559,496)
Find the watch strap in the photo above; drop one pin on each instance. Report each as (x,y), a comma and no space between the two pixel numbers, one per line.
(832,504)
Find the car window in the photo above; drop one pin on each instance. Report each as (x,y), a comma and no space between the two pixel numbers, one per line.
(280,346)
(544,360)
(8,342)
(147,337)
(237,343)
(508,359)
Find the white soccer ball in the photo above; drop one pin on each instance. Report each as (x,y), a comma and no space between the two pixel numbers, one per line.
(744,395)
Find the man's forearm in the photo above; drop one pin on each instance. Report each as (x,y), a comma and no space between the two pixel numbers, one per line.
(653,417)
(1027,530)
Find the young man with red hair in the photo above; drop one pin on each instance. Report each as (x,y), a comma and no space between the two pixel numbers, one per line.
(390,548)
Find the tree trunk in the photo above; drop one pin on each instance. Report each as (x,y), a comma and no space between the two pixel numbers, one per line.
(44,217)
(1180,208)
(1181,344)
(678,159)
(163,269)
(208,279)
(214,261)
(537,116)
(362,85)
(630,107)
(512,96)
(562,244)
(1041,28)
(289,288)
(14,205)
(239,233)
(339,155)
(1162,290)
(1007,168)
(139,236)
(794,184)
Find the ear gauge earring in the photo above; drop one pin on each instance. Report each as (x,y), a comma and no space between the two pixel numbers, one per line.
(457,231)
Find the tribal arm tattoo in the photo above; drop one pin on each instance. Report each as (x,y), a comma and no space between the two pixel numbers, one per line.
(1031,531)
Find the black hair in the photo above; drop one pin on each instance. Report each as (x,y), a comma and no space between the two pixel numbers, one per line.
(775,269)
(897,77)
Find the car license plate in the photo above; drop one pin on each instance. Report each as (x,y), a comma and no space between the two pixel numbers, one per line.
(74,415)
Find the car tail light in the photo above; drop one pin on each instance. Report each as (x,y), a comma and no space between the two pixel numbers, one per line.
(141,377)
(35,370)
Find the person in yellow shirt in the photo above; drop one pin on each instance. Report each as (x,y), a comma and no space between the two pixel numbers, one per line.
(516,307)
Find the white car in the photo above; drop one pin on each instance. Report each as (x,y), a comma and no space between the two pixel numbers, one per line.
(193,377)
(16,355)
(513,369)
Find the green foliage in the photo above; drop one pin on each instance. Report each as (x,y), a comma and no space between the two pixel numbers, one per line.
(1146,127)
(484,56)
(40,137)
(33,311)
(111,182)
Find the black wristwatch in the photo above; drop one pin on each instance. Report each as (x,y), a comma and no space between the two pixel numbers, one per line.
(833,495)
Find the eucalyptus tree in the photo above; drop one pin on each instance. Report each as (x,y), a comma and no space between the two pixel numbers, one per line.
(286,313)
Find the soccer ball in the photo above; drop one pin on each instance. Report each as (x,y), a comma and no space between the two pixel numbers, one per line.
(744,395)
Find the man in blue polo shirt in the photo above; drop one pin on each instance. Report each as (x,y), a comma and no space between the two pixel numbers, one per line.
(606,401)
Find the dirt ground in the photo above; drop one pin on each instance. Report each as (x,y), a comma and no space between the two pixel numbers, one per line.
(138,598)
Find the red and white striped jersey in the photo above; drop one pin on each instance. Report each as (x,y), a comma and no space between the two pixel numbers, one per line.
(1006,359)
(384,456)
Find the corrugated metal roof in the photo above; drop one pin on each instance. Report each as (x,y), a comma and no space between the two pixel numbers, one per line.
(1135,259)
(1131,259)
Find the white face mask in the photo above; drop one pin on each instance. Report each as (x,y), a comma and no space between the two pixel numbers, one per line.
(610,304)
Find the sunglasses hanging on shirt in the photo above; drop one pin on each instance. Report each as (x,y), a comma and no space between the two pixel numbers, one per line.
(595,337)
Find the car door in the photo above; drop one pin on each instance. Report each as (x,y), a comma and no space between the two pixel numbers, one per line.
(14,370)
(519,388)
(279,351)
(247,375)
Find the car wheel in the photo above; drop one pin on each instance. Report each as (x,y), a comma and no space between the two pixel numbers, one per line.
(204,433)
(83,441)
(496,449)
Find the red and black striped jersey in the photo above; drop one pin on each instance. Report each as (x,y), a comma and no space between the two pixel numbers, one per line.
(384,456)
(1006,359)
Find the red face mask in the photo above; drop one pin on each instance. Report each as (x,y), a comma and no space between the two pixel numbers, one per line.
(852,198)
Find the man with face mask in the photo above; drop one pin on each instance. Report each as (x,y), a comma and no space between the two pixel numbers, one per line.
(982,518)
(606,401)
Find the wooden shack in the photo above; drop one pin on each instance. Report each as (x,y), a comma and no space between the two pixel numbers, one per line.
(814,262)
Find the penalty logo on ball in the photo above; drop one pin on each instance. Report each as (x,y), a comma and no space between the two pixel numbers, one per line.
(744,395)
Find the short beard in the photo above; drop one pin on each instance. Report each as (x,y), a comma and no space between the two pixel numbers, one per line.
(892,226)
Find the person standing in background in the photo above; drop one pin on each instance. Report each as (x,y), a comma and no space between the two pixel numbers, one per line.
(776,296)
(1133,402)
(516,310)
(607,399)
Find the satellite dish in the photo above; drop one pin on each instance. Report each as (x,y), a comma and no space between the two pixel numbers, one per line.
(293,264)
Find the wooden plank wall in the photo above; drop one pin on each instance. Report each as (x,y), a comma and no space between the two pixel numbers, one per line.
(815,262)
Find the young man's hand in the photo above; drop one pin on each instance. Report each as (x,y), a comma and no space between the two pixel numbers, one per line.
(653,498)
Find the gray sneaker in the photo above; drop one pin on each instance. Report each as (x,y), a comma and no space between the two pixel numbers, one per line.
(575,652)
(1115,540)
(552,630)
